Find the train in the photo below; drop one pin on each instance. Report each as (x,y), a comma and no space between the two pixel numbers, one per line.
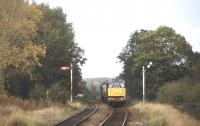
(114,91)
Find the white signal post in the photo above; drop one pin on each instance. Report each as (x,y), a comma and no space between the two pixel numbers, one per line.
(143,84)
(143,80)
(71,71)
(64,68)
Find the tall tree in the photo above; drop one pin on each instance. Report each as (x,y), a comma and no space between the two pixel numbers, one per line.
(58,35)
(18,26)
(169,52)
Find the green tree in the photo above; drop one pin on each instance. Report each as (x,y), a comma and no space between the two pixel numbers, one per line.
(58,36)
(170,53)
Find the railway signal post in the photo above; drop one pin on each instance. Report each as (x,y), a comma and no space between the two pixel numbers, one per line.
(143,83)
(71,71)
(65,68)
(143,80)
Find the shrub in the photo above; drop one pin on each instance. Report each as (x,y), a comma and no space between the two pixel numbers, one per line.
(58,92)
(39,92)
(17,83)
(183,95)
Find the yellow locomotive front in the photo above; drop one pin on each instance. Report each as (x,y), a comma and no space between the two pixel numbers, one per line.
(116,92)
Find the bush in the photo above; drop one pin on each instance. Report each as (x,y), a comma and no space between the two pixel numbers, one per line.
(39,92)
(17,83)
(183,95)
(58,92)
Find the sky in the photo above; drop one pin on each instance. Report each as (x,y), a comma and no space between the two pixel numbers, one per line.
(103,27)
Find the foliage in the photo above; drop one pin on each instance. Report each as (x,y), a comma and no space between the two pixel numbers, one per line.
(17,83)
(35,42)
(82,86)
(19,56)
(170,53)
(18,25)
(57,92)
(184,93)
(39,92)
(57,34)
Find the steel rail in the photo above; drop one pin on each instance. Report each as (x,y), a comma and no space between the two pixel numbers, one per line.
(111,118)
(79,117)
(106,119)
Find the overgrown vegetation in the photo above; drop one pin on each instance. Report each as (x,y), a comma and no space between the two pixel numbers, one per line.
(18,112)
(155,114)
(184,93)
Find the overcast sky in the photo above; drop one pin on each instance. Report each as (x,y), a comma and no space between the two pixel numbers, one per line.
(103,27)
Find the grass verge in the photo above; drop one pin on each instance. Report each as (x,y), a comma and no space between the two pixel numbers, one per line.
(155,114)
(18,112)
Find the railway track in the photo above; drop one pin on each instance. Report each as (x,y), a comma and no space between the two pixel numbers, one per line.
(77,119)
(118,117)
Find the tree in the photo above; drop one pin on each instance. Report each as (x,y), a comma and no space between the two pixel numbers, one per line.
(61,50)
(169,52)
(18,26)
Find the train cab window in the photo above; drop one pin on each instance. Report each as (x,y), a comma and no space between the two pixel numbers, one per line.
(116,85)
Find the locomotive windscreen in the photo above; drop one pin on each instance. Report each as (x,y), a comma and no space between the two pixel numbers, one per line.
(116,85)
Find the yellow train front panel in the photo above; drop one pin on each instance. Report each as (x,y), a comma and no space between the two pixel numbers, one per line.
(113,92)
